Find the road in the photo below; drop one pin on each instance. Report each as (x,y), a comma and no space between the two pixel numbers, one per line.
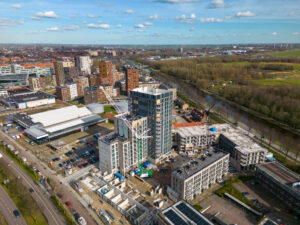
(61,187)
(39,195)
(7,206)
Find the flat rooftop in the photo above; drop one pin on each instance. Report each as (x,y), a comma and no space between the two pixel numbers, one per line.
(280,173)
(243,143)
(150,90)
(193,131)
(184,214)
(191,167)
(30,96)
(109,139)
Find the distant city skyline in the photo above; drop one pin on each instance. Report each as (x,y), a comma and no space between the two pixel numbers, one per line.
(160,22)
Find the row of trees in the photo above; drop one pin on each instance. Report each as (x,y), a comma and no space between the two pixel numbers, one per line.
(234,82)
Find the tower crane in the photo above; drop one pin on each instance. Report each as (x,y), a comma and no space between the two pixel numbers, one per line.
(134,132)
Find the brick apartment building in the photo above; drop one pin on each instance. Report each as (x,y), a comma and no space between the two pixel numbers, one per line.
(106,72)
(132,78)
(95,94)
(69,91)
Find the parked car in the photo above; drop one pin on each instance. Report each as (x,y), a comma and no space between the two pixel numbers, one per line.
(68,203)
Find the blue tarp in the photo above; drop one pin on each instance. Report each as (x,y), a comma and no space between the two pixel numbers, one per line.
(213,129)
(120,176)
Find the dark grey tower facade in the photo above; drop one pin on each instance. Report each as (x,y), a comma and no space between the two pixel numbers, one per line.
(156,105)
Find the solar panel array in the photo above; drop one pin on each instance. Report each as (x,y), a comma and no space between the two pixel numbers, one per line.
(191,214)
(174,217)
(269,222)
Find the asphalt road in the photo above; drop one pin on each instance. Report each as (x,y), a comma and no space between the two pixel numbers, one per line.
(7,206)
(61,187)
(39,195)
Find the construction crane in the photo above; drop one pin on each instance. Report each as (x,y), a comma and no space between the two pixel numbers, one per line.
(139,137)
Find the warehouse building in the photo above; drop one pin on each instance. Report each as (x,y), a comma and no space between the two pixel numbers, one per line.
(245,154)
(46,126)
(182,214)
(282,182)
(23,98)
(195,176)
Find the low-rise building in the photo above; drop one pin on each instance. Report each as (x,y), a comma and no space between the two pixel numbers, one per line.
(49,125)
(195,176)
(182,213)
(282,182)
(23,98)
(245,154)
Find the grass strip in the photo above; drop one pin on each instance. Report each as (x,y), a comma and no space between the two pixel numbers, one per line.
(2,220)
(69,219)
(21,197)
(22,164)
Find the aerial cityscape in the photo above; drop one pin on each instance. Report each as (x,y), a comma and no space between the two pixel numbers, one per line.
(150,112)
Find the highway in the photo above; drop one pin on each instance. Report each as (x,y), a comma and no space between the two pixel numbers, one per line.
(7,206)
(61,186)
(40,196)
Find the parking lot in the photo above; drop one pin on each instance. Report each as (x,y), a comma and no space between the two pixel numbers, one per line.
(77,150)
(268,203)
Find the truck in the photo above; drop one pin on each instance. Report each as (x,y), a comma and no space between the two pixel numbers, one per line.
(1,155)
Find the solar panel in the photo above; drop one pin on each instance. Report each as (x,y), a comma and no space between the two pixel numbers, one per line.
(189,213)
(269,222)
(174,218)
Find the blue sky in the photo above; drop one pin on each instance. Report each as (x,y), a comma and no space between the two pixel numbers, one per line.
(149,21)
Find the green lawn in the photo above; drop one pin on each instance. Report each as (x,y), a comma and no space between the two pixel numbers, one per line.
(291,53)
(198,207)
(62,210)
(2,220)
(21,197)
(287,81)
(110,109)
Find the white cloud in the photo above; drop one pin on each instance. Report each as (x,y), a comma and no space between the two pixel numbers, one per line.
(296,33)
(53,29)
(190,19)
(140,30)
(16,6)
(148,24)
(245,14)
(129,11)
(91,16)
(217,4)
(139,25)
(210,20)
(43,15)
(71,27)
(102,26)
(154,17)
(119,26)
(176,1)
(292,14)
(192,29)
(274,33)
(7,22)
(228,17)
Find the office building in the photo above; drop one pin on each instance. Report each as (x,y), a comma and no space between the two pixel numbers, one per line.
(157,106)
(49,125)
(14,80)
(3,92)
(132,77)
(83,63)
(245,154)
(195,176)
(282,182)
(95,94)
(182,213)
(23,98)
(106,72)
